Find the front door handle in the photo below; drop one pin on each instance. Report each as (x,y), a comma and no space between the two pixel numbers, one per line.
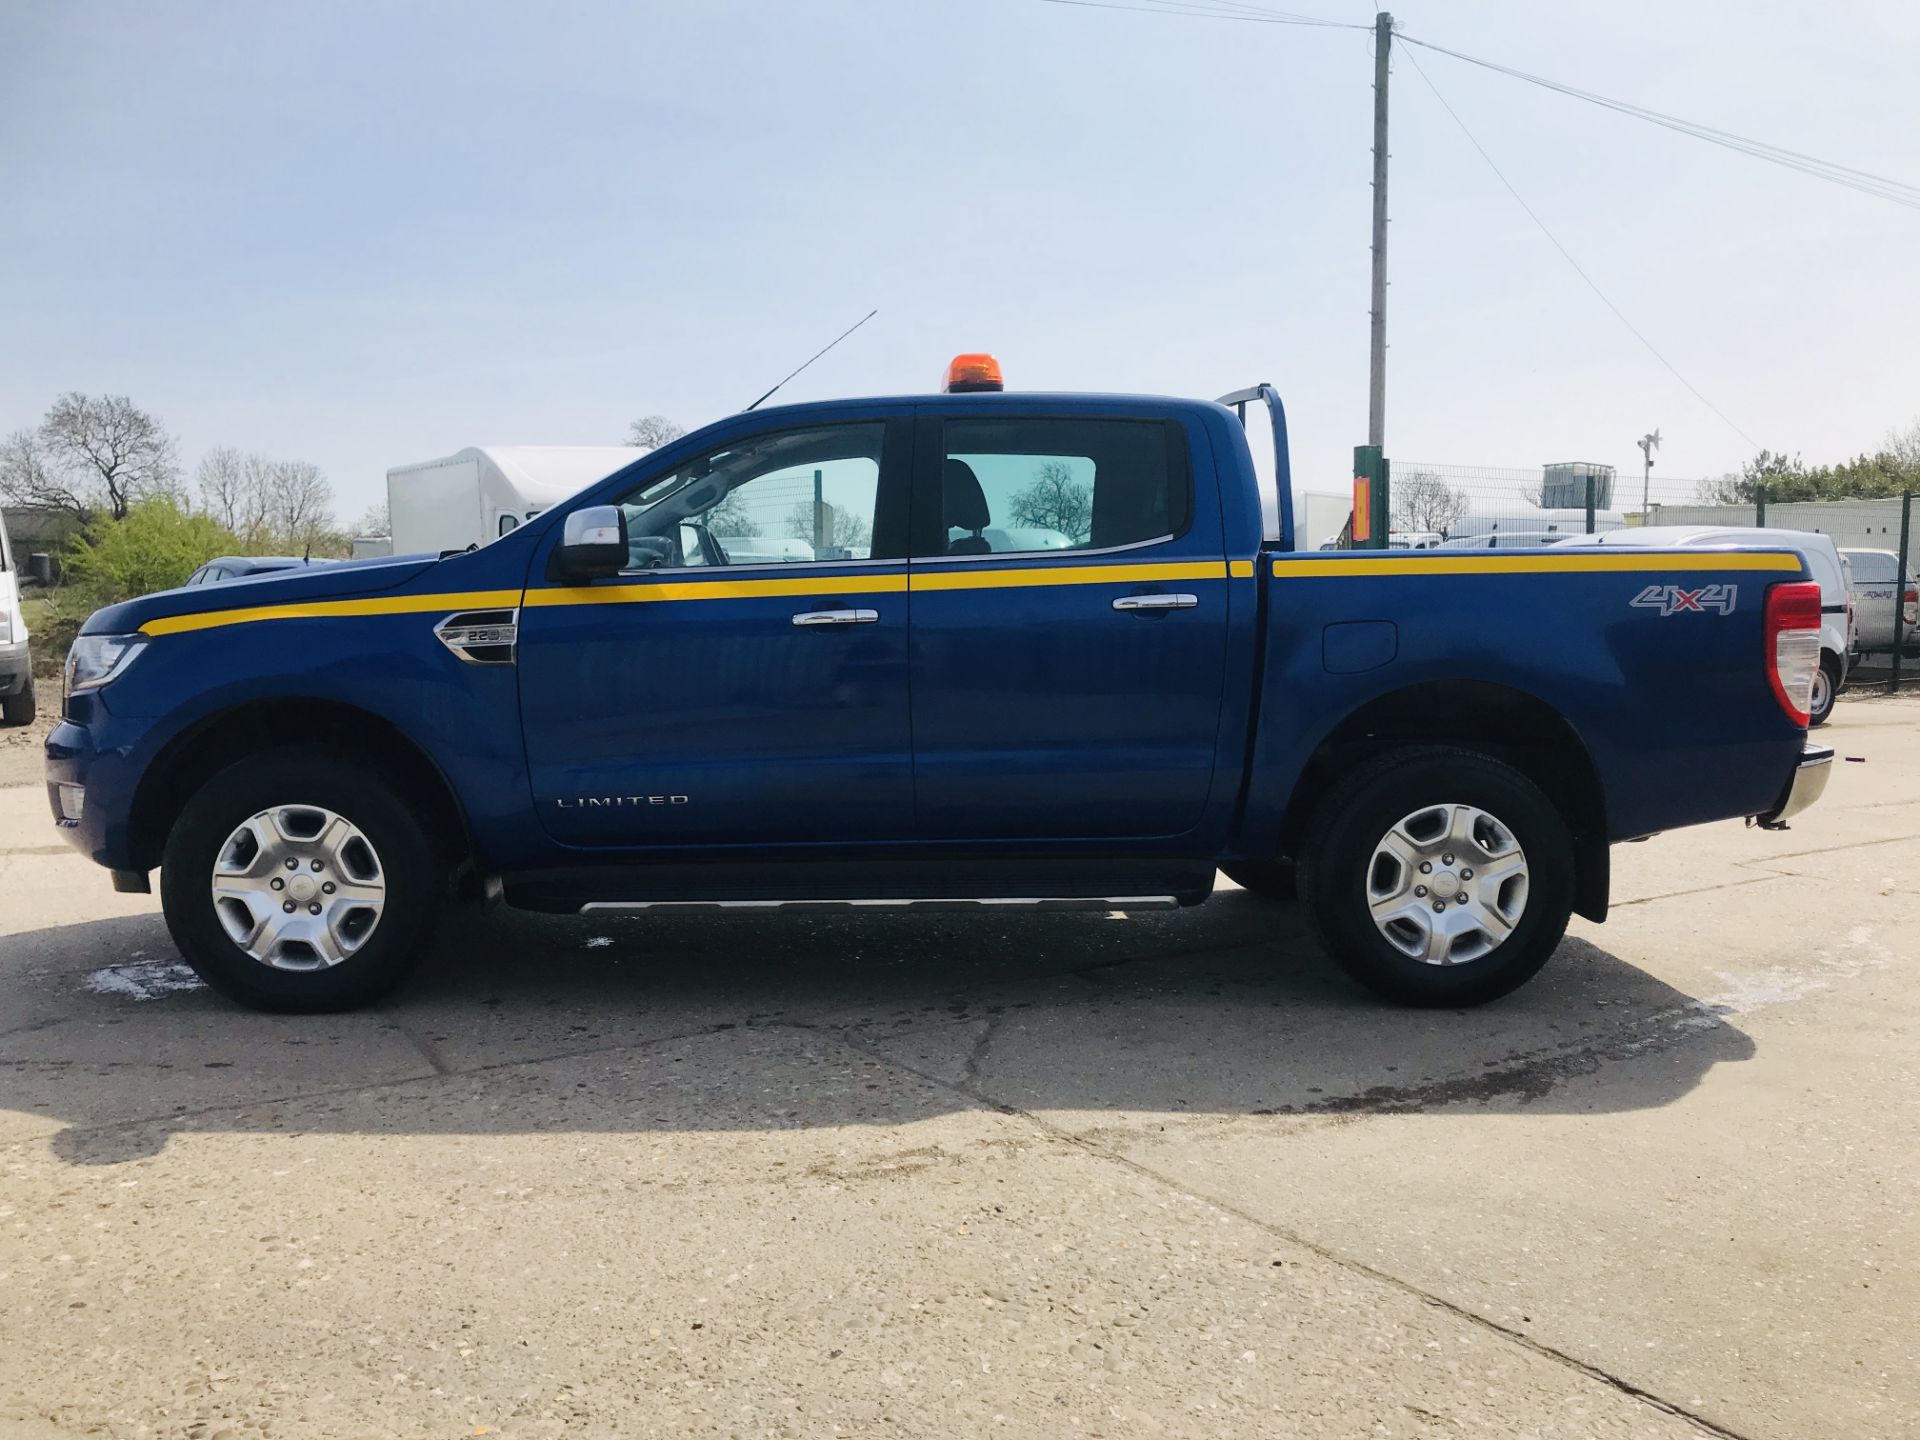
(1156,602)
(836,617)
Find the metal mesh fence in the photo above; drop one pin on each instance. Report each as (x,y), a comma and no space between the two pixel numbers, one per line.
(1481,506)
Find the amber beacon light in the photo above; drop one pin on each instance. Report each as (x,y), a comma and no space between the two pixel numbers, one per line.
(969,373)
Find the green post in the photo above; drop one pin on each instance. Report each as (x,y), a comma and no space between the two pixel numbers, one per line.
(1370,507)
(1760,506)
(1900,590)
(1589,502)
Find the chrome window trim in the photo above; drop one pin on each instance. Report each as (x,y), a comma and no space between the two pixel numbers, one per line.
(1070,554)
(771,565)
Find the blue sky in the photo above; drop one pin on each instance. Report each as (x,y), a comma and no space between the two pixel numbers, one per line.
(365,234)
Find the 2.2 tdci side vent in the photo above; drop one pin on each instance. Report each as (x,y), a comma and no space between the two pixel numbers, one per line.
(481,637)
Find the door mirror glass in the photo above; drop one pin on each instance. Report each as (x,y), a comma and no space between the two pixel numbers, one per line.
(593,543)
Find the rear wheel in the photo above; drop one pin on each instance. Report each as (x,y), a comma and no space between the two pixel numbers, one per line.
(1826,689)
(1439,877)
(297,880)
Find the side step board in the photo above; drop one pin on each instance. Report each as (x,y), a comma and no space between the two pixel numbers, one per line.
(866,885)
(1050,904)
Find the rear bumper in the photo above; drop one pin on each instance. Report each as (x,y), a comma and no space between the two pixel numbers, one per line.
(1807,783)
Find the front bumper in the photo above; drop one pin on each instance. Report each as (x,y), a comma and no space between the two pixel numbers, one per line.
(1806,785)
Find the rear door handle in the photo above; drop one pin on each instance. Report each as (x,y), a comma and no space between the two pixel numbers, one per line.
(1156,602)
(836,617)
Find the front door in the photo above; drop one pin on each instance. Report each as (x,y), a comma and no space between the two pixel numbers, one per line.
(1069,628)
(744,680)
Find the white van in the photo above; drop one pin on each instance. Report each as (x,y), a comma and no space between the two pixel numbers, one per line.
(1823,561)
(476,495)
(16,666)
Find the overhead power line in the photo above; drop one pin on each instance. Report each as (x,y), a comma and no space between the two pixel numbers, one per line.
(1880,186)
(1212,10)
(1567,255)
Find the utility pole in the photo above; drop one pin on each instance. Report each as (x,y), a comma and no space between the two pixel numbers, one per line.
(1377,369)
(1372,508)
(1648,444)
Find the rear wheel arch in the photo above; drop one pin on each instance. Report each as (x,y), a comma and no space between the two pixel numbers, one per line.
(1499,721)
(202,751)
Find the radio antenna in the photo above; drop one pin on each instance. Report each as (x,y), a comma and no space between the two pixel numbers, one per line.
(815,356)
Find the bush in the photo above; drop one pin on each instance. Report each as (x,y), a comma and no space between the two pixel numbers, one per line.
(156,547)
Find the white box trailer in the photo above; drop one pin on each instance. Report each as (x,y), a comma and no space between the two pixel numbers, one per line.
(478,494)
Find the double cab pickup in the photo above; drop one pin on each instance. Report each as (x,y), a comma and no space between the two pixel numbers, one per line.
(975,648)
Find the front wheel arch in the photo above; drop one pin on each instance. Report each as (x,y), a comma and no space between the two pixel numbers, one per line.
(203,750)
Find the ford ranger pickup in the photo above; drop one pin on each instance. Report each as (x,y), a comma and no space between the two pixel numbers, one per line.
(976,648)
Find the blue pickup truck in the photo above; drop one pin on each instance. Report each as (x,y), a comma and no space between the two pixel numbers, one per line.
(976,647)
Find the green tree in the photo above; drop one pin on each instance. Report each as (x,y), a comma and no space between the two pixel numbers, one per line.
(155,547)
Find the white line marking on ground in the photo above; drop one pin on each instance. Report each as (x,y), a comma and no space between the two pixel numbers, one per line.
(147,980)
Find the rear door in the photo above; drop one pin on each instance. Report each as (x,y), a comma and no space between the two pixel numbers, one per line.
(1069,623)
(1874,595)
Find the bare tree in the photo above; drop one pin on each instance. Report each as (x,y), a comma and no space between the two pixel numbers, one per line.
(653,431)
(89,455)
(1056,501)
(285,504)
(232,493)
(375,522)
(730,517)
(299,505)
(1423,501)
(834,526)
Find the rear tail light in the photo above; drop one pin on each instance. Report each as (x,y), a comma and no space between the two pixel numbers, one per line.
(1793,646)
(1910,603)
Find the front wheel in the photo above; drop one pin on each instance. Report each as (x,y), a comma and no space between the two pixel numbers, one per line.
(296,880)
(1439,877)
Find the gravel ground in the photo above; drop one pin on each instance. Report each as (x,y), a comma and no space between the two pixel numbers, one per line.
(21,746)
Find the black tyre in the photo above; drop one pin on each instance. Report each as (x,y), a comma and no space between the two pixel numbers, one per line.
(1269,879)
(299,880)
(1826,689)
(1487,909)
(20,709)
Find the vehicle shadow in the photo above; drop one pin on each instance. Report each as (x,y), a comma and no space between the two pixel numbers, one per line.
(529,1024)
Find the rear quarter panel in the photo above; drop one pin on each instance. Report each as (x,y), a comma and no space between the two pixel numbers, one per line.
(1672,703)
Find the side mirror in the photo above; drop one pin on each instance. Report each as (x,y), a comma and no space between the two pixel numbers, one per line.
(593,543)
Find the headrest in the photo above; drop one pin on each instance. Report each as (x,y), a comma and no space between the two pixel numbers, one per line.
(966,502)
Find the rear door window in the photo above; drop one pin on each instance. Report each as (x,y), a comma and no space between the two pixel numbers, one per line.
(1871,569)
(1036,486)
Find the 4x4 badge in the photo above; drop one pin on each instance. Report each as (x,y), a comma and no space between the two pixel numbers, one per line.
(1671,599)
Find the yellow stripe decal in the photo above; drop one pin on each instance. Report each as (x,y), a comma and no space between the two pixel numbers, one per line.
(969,579)
(839,583)
(334,609)
(1532,564)
(825,583)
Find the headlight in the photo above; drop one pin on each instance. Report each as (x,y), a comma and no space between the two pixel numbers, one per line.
(6,627)
(96,659)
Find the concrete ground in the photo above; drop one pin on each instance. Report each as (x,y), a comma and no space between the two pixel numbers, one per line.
(1063,1176)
